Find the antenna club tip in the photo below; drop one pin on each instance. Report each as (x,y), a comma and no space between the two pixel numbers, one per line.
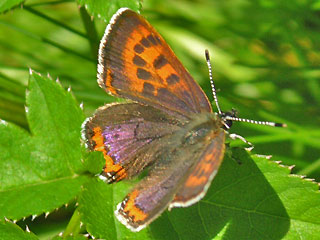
(280,125)
(206,52)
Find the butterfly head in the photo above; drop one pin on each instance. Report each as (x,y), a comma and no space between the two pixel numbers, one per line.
(225,117)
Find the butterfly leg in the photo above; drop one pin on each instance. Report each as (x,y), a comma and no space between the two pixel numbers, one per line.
(234,136)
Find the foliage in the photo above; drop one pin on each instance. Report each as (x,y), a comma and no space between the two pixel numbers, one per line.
(265,59)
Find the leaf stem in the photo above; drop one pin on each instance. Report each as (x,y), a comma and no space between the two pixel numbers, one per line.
(49,3)
(311,168)
(49,19)
(91,31)
(12,86)
(46,40)
(74,225)
(12,112)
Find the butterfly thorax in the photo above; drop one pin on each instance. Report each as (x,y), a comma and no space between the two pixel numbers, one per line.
(202,128)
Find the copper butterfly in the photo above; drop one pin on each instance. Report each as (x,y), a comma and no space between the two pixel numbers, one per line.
(167,125)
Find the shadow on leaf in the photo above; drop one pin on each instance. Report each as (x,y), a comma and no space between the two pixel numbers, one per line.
(240,204)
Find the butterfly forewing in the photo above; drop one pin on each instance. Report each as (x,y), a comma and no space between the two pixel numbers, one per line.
(136,63)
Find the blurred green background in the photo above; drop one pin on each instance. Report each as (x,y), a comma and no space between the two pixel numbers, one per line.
(265,56)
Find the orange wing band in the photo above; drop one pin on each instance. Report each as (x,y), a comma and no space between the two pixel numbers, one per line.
(132,210)
(110,165)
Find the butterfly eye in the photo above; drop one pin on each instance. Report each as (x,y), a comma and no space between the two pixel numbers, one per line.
(227,123)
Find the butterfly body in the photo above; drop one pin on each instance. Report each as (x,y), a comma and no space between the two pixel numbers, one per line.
(167,125)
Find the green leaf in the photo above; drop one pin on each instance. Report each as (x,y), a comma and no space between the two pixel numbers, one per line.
(8,4)
(250,198)
(257,199)
(15,148)
(97,204)
(77,237)
(9,231)
(41,171)
(94,161)
(38,197)
(239,202)
(98,217)
(105,9)
(55,121)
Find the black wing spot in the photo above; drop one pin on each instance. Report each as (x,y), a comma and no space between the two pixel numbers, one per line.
(139,61)
(173,79)
(160,61)
(145,42)
(138,48)
(152,39)
(148,88)
(143,74)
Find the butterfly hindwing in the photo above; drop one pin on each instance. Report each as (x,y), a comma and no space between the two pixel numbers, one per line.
(128,134)
(136,63)
(181,161)
(198,180)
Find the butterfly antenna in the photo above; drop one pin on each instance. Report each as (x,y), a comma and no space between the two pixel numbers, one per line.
(272,124)
(211,81)
(231,116)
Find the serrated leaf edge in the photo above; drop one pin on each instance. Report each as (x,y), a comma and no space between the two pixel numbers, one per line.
(290,168)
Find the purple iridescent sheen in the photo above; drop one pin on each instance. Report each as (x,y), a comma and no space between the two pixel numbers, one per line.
(126,139)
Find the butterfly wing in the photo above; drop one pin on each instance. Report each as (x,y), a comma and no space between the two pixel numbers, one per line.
(181,174)
(136,63)
(199,179)
(149,199)
(162,130)
(128,135)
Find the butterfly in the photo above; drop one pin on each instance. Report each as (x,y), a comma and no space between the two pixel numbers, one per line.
(166,125)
